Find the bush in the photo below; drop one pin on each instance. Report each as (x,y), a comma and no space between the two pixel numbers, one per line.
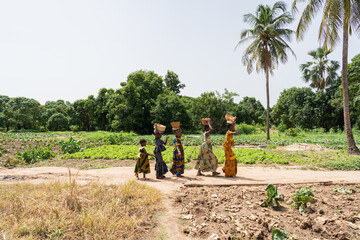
(291,132)
(281,128)
(58,122)
(33,155)
(246,129)
(74,128)
(71,146)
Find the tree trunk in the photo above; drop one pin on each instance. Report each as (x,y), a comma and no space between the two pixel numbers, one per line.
(352,149)
(267,105)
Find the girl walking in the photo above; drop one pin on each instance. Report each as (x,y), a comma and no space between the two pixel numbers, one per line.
(206,161)
(142,162)
(160,166)
(178,153)
(230,166)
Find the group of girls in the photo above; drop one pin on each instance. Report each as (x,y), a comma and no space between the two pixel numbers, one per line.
(206,161)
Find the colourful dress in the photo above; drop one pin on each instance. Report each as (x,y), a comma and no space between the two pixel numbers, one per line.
(206,161)
(178,161)
(142,162)
(230,166)
(160,166)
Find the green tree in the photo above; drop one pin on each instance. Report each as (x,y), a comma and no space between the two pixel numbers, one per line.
(23,113)
(295,108)
(268,43)
(172,82)
(168,108)
(4,108)
(212,105)
(321,72)
(354,90)
(101,108)
(249,111)
(139,93)
(338,16)
(58,122)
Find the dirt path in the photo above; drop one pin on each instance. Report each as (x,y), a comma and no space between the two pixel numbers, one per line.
(170,219)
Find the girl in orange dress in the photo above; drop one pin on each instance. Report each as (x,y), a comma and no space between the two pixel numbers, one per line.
(230,166)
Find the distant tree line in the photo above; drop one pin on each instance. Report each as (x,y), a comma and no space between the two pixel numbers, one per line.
(147,98)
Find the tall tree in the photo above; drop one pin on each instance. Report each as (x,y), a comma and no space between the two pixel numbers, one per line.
(268,43)
(321,72)
(172,82)
(337,15)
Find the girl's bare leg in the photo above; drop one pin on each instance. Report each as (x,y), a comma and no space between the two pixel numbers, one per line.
(137,176)
(199,173)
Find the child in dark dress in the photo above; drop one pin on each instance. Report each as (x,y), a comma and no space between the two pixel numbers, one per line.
(160,165)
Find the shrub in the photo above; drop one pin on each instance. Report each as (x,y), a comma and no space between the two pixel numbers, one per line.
(246,129)
(74,128)
(291,132)
(281,128)
(33,155)
(71,146)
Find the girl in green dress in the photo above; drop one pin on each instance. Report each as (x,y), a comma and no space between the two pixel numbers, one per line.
(142,163)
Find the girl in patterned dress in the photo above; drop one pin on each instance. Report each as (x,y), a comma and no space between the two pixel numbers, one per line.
(230,166)
(142,163)
(178,154)
(207,161)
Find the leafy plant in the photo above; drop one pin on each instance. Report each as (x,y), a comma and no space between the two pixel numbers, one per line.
(344,190)
(303,196)
(278,234)
(33,155)
(273,198)
(71,146)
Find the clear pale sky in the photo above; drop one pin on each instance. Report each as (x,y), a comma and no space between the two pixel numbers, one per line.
(69,49)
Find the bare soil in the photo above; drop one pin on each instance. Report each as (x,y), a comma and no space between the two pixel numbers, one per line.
(234,213)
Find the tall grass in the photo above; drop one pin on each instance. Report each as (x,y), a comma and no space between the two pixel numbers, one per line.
(70,211)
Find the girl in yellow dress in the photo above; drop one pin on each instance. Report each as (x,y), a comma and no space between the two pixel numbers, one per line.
(142,163)
(230,166)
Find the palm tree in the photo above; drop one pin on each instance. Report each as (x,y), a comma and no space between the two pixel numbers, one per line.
(322,72)
(337,15)
(268,43)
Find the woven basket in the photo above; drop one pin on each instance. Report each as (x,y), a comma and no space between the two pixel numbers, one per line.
(205,121)
(159,127)
(175,125)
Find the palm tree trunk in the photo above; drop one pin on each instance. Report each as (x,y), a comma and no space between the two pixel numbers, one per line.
(352,149)
(267,105)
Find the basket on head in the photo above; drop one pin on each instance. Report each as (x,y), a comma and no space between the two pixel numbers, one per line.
(175,125)
(160,128)
(205,121)
(229,118)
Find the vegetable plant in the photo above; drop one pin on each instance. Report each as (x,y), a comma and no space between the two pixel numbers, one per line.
(343,190)
(303,196)
(71,146)
(33,155)
(278,234)
(273,198)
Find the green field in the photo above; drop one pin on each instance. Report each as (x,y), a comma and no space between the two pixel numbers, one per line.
(14,149)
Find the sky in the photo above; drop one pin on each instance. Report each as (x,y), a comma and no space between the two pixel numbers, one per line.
(69,49)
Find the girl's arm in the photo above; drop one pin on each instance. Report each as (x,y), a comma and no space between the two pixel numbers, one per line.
(167,137)
(210,130)
(236,130)
(148,153)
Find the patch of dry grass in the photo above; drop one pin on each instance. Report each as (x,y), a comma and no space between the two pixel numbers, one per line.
(70,211)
